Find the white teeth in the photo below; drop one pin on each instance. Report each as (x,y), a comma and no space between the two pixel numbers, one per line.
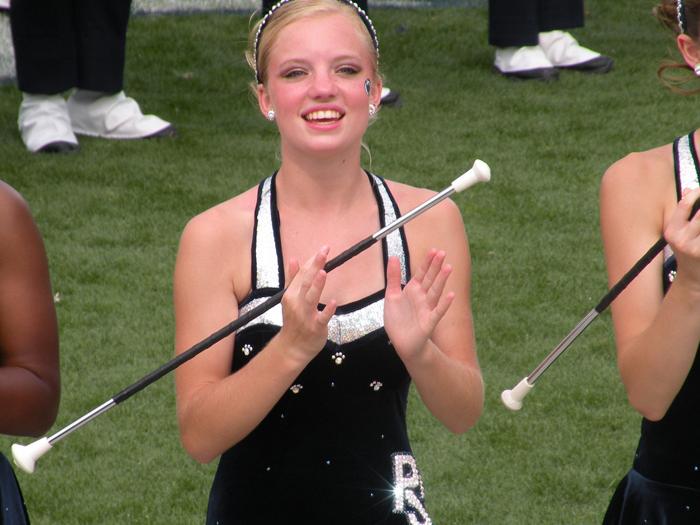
(327,114)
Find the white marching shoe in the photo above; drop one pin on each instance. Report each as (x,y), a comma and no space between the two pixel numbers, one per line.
(45,125)
(526,62)
(564,52)
(113,117)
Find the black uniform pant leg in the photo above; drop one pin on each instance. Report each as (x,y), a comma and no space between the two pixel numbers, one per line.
(101,43)
(43,36)
(560,14)
(515,23)
(62,44)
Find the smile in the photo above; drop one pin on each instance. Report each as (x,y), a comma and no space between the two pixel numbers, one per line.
(326,115)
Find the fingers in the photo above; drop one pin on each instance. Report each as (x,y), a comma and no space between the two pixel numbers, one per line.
(393,276)
(324,316)
(305,327)
(307,283)
(436,259)
(433,275)
(309,277)
(681,228)
(688,200)
(435,292)
(443,305)
(292,269)
(423,268)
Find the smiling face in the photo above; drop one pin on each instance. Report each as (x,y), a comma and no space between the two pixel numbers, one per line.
(315,82)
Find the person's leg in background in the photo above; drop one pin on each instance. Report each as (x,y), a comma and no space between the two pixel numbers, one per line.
(531,42)
(66,44)
(99,107)
(563,51)
(45,58)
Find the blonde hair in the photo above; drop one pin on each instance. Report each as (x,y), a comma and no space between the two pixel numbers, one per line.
(291,12)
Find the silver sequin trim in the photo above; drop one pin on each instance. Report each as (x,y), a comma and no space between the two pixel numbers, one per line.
(273,316)
(345,328)
(686,165)
(687,173)
(393,240)
(342,328)
(265,252)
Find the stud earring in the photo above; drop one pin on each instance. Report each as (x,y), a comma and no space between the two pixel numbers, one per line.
(271,115)
(372,110)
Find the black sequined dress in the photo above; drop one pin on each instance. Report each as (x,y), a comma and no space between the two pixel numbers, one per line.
(334,450)
(663,486)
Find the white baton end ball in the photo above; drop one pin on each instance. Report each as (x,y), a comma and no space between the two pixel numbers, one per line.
(513,399)
(479,172)
(25,457)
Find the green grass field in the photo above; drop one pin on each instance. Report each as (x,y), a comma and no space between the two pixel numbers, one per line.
(111,217)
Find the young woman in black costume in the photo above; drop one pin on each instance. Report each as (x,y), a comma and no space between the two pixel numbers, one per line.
(657,319)
(306,406)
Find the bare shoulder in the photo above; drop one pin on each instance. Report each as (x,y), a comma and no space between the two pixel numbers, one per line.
(647,172)
(440,227)
(17,225)
(639,188)
(409,197)
(13,207)
(215,245)
(228,222)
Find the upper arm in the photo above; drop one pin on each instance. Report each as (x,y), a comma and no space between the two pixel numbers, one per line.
(205,301)
(28,325)
(634,194)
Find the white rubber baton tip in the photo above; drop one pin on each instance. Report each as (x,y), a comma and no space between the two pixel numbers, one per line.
(479,172)
(25,457)
(513,399)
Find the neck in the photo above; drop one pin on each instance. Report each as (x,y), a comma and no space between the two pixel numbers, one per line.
(328,186)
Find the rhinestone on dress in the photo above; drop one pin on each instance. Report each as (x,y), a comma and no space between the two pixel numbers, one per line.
(338,358)
(247,349)
(408,490)
(296,388)
(376,385)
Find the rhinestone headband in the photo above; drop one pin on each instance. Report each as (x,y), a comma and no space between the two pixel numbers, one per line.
(680,11)
(361,12)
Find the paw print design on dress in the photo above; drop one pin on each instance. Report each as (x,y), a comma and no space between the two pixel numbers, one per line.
(338,358)
(247,349)
(296,388)
(376,385)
